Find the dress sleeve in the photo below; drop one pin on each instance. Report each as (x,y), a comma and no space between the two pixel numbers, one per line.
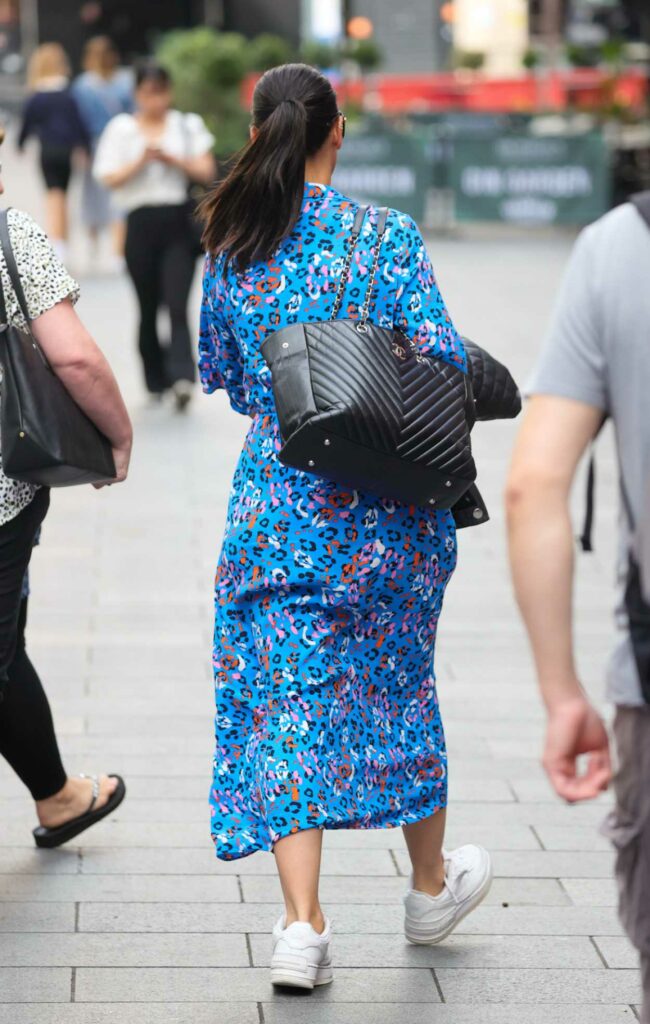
(43,276)
(220,358)
(420,311)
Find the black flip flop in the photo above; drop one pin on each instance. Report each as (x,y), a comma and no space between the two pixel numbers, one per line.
(51,837)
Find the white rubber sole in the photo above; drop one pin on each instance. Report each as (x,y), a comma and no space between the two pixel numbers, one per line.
(287,974)
(416,932)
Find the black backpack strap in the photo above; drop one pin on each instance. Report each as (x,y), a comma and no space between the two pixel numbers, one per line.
(585,537)
(12,267)
(642,203)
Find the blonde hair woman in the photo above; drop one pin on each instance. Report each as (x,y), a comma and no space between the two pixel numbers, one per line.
(51,115)
(102,91)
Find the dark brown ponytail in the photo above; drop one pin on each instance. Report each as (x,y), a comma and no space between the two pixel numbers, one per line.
(258,204)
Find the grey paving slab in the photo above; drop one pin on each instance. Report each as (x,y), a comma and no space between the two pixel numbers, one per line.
(34,985)
(131,810)
(538,986)
(132,1013)
(542,864)
(37,917)
(223,985)
(617,951)
(124,950)
(460,951)
(487,790)
(155,747)
(572,838)
(352,918)
(203,861)
(120,888)
(177,661)
(30,861)
(591,892)
(533,891)
(141,768)
(286,1012)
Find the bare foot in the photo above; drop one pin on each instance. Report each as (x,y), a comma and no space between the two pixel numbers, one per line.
(73,800)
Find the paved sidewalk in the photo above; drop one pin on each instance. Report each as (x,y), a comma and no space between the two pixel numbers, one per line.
(138,923)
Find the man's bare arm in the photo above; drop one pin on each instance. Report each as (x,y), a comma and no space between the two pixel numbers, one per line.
(555,434)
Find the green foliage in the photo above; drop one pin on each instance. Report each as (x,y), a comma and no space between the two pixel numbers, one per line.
(320,55)
(364,52)
(531,59)
(469,60)
(207,69)
(217,59)
(612,51)
(268,51)
(582,56)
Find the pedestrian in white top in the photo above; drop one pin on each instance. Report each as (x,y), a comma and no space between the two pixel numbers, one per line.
(149,159)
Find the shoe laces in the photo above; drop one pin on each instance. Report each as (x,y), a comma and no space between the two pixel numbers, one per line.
(457,865)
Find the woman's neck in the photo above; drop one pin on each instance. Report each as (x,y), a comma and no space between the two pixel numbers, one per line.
(151,122)
(319,170)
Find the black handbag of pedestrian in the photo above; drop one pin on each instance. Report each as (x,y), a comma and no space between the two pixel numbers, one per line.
(359,405)
(46,438)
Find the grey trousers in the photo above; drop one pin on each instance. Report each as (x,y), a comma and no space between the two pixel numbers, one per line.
(628,826)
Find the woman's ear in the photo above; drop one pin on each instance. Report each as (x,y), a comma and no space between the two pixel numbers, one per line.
(336,134)
(252,133)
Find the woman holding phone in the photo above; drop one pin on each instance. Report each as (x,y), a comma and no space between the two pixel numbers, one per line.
(149,159)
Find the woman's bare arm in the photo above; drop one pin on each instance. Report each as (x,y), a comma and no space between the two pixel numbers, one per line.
(82,367)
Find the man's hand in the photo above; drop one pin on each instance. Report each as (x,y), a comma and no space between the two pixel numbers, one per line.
(574,728)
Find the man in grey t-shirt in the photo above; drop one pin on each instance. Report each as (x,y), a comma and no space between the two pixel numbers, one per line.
(595,363)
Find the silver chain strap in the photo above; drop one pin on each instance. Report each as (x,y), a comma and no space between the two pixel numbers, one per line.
(344,276)
(364,312)
(365,309)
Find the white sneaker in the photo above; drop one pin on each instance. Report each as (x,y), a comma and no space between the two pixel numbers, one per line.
(183,391)
(301,957)
(468,877)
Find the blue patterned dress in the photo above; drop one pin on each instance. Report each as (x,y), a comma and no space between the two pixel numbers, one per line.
(327,602)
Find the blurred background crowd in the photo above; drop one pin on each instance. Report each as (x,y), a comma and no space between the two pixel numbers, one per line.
(518,111)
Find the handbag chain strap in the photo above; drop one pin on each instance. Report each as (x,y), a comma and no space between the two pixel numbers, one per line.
(354,235)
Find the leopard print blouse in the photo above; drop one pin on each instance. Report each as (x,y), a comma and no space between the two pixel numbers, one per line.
(45,282)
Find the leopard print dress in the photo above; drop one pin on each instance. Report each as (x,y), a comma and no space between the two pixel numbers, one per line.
(327,601)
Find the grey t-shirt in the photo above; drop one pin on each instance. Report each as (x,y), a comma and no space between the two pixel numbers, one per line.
(598,352)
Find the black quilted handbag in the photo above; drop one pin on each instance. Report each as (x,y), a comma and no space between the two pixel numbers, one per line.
(359,405)
(46,438)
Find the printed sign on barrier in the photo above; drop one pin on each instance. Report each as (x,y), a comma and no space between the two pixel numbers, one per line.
(523,179)
(385,168)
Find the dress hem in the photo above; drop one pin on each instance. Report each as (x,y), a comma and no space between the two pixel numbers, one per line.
(324,827)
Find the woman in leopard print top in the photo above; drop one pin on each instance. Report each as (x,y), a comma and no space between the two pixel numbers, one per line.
(28,742)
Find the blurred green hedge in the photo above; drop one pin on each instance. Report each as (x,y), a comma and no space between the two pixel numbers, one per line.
(208,68)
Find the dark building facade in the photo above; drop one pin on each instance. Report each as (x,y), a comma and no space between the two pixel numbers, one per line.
(135,24)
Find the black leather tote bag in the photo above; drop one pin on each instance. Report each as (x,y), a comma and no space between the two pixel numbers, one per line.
(46,438)
(359,405)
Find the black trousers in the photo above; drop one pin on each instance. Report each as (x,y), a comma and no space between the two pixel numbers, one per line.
(27,737)
(161,260)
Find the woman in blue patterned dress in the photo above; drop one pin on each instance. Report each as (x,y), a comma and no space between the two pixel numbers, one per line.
(327,601)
